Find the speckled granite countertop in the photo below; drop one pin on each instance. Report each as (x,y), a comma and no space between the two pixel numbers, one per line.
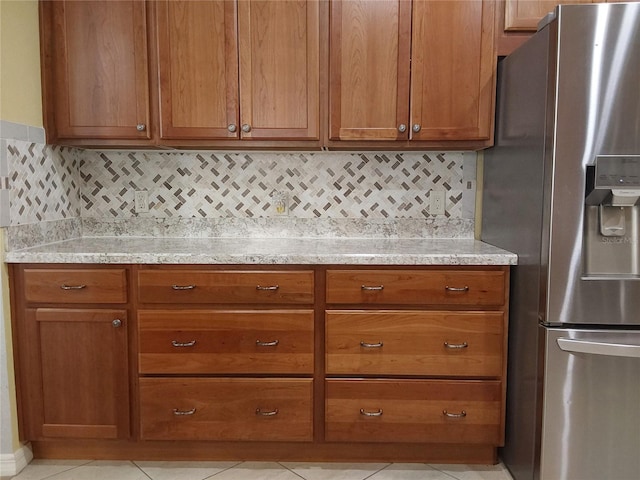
(269,251)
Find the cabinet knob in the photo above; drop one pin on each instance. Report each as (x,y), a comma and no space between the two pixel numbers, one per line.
(232,127)
(402,128)
(416,127)
(141,127)
(116,323)
(246,128)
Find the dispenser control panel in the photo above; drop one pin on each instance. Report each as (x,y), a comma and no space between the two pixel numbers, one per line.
(617,172)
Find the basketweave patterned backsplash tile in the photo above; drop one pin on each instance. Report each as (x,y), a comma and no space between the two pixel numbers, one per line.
(317,185)
(43,182)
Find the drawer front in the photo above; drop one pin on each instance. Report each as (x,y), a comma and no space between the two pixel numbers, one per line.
(413,287)
(226,409)
(225,341)
(236,287)
(75,286)
(431,411)
(430,343)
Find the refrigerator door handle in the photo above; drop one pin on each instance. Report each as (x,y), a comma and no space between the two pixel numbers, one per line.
(599,348)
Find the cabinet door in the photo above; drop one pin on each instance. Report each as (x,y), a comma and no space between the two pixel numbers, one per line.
(198,69)
(524,15)
(453,65)
(279,69)
(100,85)
(79,380)
(369,69)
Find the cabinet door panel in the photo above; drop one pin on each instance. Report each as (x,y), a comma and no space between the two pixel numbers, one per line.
(198,68)
(369,71)
(524,15)
(279,69)
(453,63)
(84,373)
(101,77)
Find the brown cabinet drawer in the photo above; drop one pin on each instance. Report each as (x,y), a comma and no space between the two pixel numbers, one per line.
(434,343)
(75,285)
(237,287)
(430,411)
(226,409)
(226,341)
(415,287)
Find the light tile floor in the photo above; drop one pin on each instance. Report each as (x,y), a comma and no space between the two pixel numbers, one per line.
(137,470)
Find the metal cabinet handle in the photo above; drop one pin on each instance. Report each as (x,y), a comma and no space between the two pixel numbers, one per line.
(184,412)
(116,323)
(72,287)
(416,127)
(183,287)
(141,127)
(268,287)
(402,128)
(246,128)
(176,343)
(462,414)
(267,344)
(232,127)
(456,345)
(377,413)
(266,413)
(371,345)
(372,288)
(456,289)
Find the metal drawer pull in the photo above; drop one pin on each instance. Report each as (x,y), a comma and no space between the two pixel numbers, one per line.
(175,343)
(455,289)
(371,345)
(269,287)
(267,413)
(456,345)
(372,288)
(183,287)
(462,414)
(377,413)
(267,344)
(184,412)
(72,287)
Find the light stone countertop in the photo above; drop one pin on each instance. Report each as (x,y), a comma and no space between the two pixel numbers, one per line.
(266,251)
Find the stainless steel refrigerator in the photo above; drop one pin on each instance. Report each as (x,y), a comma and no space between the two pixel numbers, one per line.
(561,189)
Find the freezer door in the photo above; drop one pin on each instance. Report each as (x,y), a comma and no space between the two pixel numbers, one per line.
(591,407)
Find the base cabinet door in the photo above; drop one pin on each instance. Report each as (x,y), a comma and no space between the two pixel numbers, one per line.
(226,409)
(83,385)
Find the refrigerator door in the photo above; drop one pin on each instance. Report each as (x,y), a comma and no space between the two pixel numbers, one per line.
(591,407)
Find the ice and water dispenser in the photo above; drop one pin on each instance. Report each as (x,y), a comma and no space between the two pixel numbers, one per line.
(611,239)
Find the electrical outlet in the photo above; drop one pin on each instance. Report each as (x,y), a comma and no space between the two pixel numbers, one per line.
(141,201)
(280,202)
(436,199)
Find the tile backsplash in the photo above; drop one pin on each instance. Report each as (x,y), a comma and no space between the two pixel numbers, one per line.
(315,185)
(42,183)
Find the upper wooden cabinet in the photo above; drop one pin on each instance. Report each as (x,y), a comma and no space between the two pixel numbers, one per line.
(95,70)
(198,69)
(269,73)
(418,71)
(245,70)
(524,15)
(369,65)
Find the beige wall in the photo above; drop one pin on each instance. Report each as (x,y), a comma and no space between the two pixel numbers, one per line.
(20,97)
(20,102)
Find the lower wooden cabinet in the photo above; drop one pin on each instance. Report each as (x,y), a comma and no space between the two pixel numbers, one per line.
(433,411)
(226,409)
(322,363)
